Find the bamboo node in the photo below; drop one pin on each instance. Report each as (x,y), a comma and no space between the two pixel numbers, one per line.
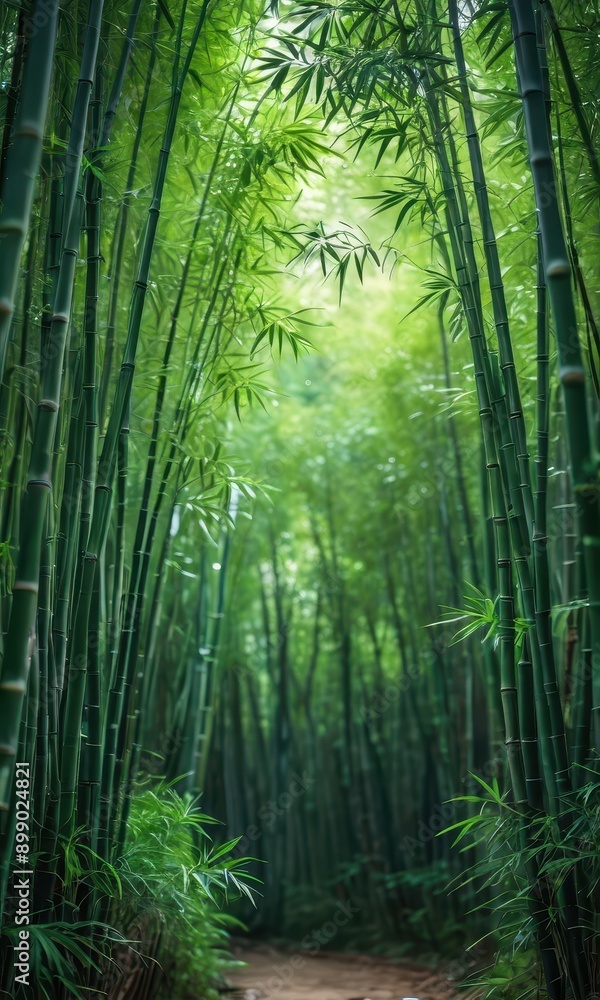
(29,130)
(6,307)
(558,268)
(12,226)
(28,585)
(49,404)
(12,687)
(572,375)
(6,749)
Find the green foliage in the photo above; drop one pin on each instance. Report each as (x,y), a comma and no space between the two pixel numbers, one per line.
(559,850)
(191,587)
(58,951)
(166,860)
(176,883)
(481,613)
(169,891)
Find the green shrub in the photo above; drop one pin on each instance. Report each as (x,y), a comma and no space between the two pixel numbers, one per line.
(174,885)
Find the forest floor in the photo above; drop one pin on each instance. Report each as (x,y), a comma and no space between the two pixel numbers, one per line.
(276,974)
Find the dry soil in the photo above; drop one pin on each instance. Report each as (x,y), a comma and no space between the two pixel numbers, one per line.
(277,974)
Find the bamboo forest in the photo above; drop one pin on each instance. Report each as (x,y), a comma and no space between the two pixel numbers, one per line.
(300,499)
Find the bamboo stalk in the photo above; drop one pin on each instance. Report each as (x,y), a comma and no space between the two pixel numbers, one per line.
(22,162)
(573,88)
(558,281)
(107,461)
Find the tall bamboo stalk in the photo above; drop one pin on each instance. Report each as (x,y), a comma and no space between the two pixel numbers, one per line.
(560,293)
(22,161)
(107,461)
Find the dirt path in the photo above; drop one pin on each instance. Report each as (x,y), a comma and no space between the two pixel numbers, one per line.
(275,974)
